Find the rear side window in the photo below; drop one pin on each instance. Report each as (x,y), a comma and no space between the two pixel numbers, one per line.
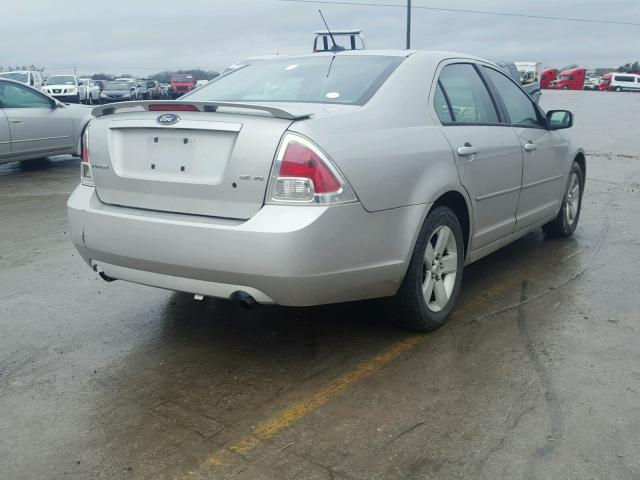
(621,78)
(467,97)
(441,106)
(345,79)
(519,106)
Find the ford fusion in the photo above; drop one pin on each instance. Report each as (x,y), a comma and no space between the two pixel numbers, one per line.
(325,178)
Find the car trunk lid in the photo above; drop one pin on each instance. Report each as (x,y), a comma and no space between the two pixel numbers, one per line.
(203,163)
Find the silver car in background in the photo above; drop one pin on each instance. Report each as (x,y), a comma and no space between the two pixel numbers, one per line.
(34,125)
(326,178)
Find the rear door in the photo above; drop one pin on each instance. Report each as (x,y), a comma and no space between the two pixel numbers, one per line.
(202,163)
(488,152)
(5,136)
(545,151)
(36,126)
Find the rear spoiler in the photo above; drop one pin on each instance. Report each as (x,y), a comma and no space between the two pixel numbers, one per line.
(201,106)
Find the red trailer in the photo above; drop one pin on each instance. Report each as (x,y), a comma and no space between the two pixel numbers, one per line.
(569,80)
(548,75)
(605,82)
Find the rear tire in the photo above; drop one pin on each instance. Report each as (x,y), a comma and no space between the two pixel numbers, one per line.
(566,221)
(432,283)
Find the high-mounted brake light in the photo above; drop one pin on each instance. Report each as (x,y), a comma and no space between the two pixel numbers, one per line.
(165,107)
(86,175)
(304,174)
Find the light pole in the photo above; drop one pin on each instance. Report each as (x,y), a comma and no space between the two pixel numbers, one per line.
(408,24)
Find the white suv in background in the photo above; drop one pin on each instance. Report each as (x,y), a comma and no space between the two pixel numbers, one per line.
(625,81)
(66,88)
(33,78)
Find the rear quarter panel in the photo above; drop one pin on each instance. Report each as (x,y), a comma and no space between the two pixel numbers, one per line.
(390,150)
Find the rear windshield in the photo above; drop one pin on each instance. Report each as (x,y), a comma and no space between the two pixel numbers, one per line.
(181,78)
(17,76)
(349,79)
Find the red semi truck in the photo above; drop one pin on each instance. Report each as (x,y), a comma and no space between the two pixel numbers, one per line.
(569,80)
(547,76)
(181,83)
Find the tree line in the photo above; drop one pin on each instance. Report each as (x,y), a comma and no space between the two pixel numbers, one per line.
(629,67)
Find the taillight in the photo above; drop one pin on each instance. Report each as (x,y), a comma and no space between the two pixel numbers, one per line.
(172,108)
(86,176)
(302,173)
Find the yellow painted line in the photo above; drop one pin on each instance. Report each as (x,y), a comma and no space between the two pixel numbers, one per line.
(297,411)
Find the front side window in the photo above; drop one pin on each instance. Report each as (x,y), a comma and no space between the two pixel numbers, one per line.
(467,97)
(519,106)
(348,79)
(14,96)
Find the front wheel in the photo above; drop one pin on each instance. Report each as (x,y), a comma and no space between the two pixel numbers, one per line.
(432,283)
(566,221)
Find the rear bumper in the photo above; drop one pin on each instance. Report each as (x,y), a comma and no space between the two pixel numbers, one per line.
(296,256)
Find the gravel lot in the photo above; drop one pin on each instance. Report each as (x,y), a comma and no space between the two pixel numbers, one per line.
(536,375)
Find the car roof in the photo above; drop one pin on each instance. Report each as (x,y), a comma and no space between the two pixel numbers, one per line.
(436,55)
(8,80)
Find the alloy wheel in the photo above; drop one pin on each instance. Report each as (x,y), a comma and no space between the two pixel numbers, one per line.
(439,268)
(573,199)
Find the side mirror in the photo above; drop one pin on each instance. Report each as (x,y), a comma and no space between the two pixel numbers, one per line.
(559,119)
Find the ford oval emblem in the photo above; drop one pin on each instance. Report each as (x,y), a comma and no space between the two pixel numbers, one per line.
(168,118)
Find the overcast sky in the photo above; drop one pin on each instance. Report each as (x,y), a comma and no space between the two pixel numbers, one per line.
(142,37)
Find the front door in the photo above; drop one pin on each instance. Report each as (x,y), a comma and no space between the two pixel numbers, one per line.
(36,126)
(544,152)
(487,150)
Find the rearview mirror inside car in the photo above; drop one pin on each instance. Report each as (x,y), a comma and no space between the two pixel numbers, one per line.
(559,119)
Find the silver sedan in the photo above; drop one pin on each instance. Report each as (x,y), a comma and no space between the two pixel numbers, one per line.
(326,178)
(34,125)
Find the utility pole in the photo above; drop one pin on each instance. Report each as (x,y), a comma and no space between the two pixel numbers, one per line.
(408,24)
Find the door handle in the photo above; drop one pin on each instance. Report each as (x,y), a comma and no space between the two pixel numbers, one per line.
(467,150)
(16,121)
(530,147)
